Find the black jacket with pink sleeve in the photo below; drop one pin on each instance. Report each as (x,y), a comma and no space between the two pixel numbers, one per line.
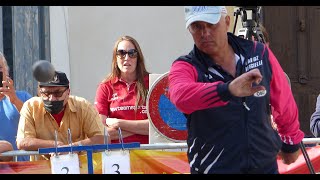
(224,135)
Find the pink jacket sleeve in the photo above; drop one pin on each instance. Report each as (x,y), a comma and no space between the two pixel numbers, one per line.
(187,94)
(285,112)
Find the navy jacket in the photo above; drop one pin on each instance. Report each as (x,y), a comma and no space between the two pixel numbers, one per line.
(228,134)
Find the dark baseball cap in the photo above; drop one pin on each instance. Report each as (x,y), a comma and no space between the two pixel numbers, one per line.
(59,79)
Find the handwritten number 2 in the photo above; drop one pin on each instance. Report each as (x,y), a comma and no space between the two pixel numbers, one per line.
(117,171)
(66,168)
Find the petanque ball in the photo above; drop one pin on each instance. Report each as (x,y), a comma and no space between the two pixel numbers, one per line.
(43,71)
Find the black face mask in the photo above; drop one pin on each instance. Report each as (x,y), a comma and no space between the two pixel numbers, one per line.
(53,107)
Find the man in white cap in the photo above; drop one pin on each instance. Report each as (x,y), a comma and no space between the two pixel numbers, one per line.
(224,87)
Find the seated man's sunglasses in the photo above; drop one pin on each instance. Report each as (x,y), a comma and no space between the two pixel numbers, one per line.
(56,94)
(132,53)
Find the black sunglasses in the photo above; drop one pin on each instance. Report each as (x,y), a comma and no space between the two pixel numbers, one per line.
(56,94)
(133,53)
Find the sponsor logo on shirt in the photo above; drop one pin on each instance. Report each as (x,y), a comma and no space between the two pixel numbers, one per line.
(260,93)
(252,63)
(129,108)
(114,96)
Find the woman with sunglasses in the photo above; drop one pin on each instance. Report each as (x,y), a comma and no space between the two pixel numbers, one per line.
(121,96)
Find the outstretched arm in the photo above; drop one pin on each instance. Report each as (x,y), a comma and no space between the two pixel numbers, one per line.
(243,85)
(188,95)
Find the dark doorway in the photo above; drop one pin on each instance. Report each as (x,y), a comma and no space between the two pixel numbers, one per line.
(24,39)
(294,35)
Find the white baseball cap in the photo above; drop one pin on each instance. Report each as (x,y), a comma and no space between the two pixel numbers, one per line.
(209,14)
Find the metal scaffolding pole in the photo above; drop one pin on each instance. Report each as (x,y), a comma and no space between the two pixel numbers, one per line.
(159,146)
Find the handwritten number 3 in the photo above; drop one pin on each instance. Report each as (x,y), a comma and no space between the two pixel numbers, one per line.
(117,171)
(66,168)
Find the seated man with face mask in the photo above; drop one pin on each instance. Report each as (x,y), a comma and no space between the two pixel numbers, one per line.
(56,110)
